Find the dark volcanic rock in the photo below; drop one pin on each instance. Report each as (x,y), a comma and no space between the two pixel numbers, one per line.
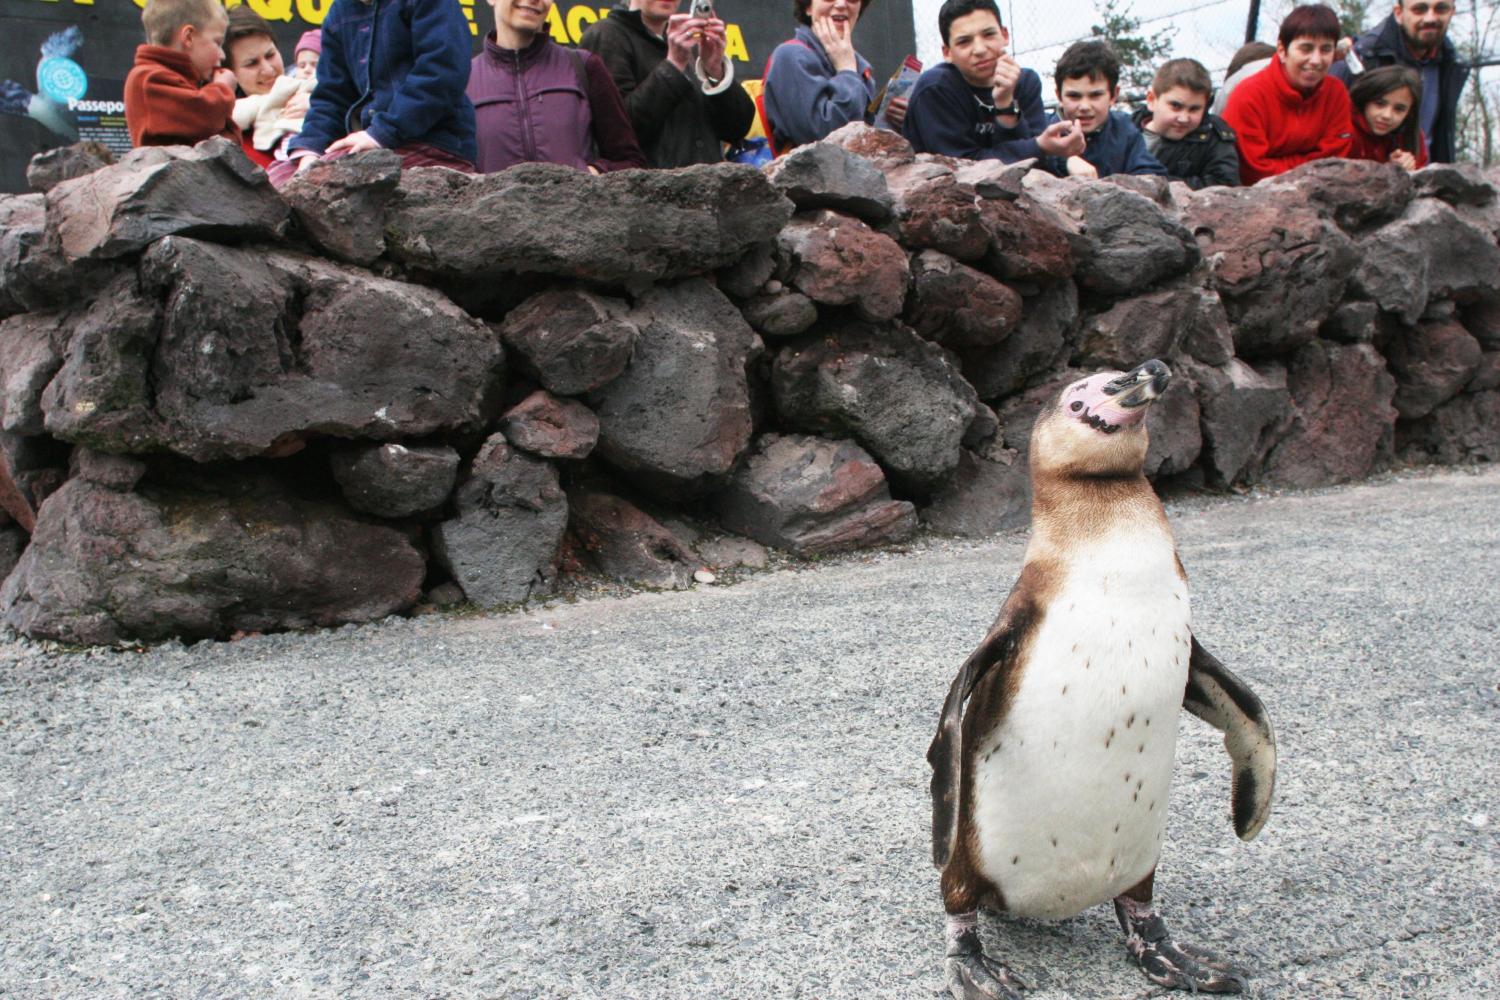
(1158,325)
(256,352)
(1432,363)
(679,416)
(1344,422)
(881,146)
(935,212)
(1483,321)
(1429,253)
(1464,429)
(983,497)
(810,495)
(395,480)
(1352,323)
(33,273)
(899,396)
(841,261)
(1245,412)
(1040,343)
(1455,183)
(31,352)
(210,190)
(570,340)
(1279,266)
(550,427)
(956,306)
(628,227)
(784,314)
(1354,193)
(994,179)
(1026,242)
(1132,243)
(826,175)
(51,167)
(12,543)
(341,204)
(236,553)
(1172,426)
(31,469)
(512,512)
(629,545)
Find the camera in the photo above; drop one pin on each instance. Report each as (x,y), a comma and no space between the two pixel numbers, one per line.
(702,8)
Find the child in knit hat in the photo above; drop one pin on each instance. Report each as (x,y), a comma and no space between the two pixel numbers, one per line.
(305,58)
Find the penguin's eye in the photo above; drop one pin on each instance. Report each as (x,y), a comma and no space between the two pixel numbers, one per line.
(1077,405)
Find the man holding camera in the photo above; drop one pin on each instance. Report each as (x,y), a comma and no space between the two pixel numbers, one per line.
(677,83)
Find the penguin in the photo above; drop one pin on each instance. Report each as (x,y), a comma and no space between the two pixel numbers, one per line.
(1053,758)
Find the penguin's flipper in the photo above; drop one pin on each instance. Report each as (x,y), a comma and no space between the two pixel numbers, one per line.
(945,754)
(1223,701)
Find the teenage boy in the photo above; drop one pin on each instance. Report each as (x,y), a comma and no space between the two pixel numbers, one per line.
(1088,84)
(177,93)
(979,104)
(1195,147)
(1416,35)
(677,83)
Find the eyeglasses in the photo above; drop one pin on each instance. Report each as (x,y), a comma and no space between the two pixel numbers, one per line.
(1423,9)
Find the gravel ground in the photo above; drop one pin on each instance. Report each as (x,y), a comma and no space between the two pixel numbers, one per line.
(722,793)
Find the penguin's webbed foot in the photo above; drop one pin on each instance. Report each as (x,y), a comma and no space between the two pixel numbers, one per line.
(1172,964)
(969,972)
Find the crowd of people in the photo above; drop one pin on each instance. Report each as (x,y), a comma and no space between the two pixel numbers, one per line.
(652,86)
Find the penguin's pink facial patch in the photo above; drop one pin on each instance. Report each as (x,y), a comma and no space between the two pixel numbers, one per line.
(1090,403)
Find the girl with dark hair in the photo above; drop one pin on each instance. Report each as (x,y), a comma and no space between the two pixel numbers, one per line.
(1386,127)
(1290,113)
(816,83)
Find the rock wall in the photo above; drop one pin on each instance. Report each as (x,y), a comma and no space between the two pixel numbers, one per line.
(225,408)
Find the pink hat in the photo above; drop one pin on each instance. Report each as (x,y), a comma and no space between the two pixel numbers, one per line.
(311,41)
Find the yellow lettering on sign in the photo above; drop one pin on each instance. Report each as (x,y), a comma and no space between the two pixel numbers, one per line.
(576,21)
(272,10)
(313,11)
(734,43)
(468,6)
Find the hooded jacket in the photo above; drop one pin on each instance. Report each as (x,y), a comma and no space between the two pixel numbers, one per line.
(1385,45)
(1116,147)
(1280,127)
(677,121)
(806,98)
(396,69)
(1205,157)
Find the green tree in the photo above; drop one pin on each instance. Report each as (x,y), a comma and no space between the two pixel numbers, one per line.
(1139,53)
(1354,16)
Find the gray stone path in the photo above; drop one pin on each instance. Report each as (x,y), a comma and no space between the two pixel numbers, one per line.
(722,793)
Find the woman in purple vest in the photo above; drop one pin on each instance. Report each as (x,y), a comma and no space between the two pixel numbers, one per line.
(538,102)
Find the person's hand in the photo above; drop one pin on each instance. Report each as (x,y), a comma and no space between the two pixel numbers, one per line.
(711,46)
(355,142)
(1003,87)
(895,112)
(1079,167)
(1062,138)
(1403,159)
(296,105)
(226,77)
(838,42)
(683,32)
(594,170)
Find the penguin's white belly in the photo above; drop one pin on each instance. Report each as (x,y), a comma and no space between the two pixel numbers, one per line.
(1070,795)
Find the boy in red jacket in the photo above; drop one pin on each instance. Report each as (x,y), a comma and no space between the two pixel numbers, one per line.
(177,94)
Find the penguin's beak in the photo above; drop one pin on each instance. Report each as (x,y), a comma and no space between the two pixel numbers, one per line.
(1140,386)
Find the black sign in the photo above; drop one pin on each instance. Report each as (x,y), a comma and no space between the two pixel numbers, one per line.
(64,62)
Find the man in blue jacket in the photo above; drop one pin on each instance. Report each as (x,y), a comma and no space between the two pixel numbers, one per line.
(1088,84)
(1416,35)
(980,104)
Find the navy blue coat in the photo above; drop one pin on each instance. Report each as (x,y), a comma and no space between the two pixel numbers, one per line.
(1116,148)
(396,69)
(945,115)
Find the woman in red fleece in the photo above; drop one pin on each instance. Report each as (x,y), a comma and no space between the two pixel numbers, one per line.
(1386,127)
(1290,113)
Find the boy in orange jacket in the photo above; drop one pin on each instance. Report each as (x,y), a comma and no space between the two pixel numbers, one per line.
(177,93)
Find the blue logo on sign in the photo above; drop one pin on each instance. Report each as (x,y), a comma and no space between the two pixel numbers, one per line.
(61,80)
